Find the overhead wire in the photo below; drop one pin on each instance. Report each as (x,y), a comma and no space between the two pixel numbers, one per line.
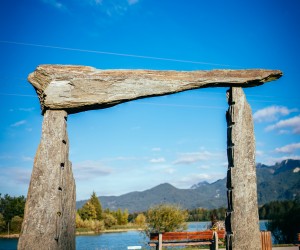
(116,54)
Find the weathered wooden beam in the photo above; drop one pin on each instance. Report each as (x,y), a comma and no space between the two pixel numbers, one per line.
(81,88)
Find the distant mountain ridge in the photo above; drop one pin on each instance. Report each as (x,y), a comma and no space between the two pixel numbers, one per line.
(278,182)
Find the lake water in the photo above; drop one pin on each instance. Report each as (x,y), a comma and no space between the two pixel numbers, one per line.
(112,241)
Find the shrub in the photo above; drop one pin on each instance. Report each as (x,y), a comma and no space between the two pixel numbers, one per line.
(165,218)
(16,224)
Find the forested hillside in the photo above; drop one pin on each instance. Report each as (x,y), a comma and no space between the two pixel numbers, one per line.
(278,182)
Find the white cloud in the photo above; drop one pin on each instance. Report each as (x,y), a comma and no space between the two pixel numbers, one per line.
(122,158)
(23,176)
(56,4)
(5,157)
(161,169)
(290,148)
(190,158)
(27,109)
(271,113)
(27,158)
(259,152)
(273,160)
(204,167)
(131,2)
(16,175)
(292,123)
(88,170)
(19,123)
(156,149)
(158,160)
(191,179)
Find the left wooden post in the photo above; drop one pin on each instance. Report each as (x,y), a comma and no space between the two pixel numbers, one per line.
(49,219)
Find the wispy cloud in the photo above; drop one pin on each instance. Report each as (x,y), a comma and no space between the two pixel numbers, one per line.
(156,149)
(109,8)
(123,158)
(56,4)
(23,109)
(15,176)
(292,123)
(165,169)
(259,152)
(273,160)
(88,170)
(27,158)
(26,109)
(22,175)
(272,113)
(158,160)
(19,123)
(190,158)
(191,179)
(132,2)
(290,148)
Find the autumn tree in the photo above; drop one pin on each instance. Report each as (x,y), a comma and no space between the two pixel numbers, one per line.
(88,211)
(165,218)
(140,220)
(109,220)
(96,202)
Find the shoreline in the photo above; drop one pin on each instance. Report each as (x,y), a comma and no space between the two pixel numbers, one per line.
(15,236)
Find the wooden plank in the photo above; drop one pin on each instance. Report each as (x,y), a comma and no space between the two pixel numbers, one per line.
(199,235)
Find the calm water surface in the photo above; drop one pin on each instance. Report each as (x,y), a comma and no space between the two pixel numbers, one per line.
(112,241)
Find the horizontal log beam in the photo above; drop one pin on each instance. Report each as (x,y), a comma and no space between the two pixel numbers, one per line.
(81,88)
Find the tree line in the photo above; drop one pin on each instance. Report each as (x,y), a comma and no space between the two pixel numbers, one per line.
(283,217)
(11,213)
(92,217)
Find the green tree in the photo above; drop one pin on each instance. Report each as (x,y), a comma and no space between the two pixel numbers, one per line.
(2,223)
(285,221)
(140,220)
(88,211)
(79,221)
(11,206)
(109,220)
(16,224)
(118,216)
(96,202)
(165,218)
(124,217)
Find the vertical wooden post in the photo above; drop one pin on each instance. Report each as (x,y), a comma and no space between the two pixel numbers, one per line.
(266,240)
(242,223)
(159,241)
(215,242)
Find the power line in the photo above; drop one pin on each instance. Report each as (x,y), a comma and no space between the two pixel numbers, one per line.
(117,54)
(8,94)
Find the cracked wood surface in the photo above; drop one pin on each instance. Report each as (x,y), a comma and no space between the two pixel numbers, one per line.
(81,88)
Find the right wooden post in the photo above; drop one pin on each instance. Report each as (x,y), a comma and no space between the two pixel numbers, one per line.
(242,222)
(266,240)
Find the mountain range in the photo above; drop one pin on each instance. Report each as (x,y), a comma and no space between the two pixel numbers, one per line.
(278,182)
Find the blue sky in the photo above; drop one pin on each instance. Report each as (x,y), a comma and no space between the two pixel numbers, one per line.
(179,139)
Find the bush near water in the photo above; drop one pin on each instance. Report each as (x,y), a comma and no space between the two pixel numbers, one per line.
(283,216)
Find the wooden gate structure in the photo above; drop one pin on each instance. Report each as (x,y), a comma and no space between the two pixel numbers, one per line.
(49,219)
